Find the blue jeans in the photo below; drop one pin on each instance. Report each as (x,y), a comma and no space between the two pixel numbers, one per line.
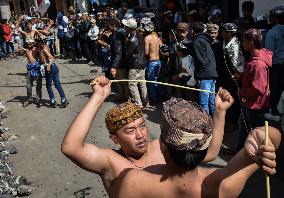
(152,73)
(207,101)
(3,48)
(106,56)
(53,75)
(9,48)
(51,45)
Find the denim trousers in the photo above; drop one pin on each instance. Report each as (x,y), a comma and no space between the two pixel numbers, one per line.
(29,86)
(106,57)
(207,100)
(3,48)
(9,47)
(152,73)
(249,119)
(53,76)
(51,46)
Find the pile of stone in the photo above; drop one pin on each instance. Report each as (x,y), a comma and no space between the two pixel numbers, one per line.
(10,185)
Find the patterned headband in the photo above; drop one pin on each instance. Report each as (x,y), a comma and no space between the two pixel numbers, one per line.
(185,125)
(122,115)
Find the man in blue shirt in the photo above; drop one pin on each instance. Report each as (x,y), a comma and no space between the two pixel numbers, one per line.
(62,25)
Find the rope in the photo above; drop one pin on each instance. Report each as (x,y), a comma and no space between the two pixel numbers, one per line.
(242,111)
(266,175)
(160,83)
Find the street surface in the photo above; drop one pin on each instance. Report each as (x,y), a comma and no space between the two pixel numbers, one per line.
(42,130)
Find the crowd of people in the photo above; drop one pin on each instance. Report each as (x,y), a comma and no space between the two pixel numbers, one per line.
(243,59)
(199,49)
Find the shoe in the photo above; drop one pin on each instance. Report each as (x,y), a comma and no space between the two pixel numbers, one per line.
(270,116)
(39,104)
(90,63)
(27,103)
(53,104)
(64,103)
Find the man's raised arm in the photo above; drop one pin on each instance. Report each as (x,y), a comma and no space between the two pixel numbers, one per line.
(85,155)
(229,181)
(223,101)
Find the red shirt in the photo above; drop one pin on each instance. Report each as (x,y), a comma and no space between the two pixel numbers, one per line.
(7,32)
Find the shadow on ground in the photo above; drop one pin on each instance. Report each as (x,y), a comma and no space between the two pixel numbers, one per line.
(17,74)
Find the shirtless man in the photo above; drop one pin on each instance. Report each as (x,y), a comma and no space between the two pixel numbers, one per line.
(33,72)
(30,33)
(127,128)
(52,74)
(181,177)
(152,50)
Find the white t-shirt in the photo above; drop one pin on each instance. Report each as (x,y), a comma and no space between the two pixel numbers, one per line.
(187,64)
(93,33)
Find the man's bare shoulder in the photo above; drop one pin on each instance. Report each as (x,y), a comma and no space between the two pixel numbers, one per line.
(147,38)
(155,142)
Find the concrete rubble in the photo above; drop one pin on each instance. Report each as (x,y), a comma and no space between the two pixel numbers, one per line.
(10,185)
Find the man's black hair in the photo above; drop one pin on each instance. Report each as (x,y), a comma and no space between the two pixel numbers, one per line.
(248,5)
(199,27)
(28,21)
(187,159)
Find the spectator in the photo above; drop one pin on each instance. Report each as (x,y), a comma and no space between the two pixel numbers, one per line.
(62,26)
(275,42)
(205,66)
(84,28)
(119,69)
(136,60)
(93,36)
(254,93)
(234,64)
(247,21)
(8,38)
(186,76)
(217,47)
(2,40)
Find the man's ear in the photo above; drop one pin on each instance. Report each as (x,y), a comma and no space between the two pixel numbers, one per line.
(114,139)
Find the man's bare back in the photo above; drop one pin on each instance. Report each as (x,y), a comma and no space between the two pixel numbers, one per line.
(152,46)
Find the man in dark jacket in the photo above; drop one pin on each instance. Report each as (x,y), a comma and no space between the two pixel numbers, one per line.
(136,60)
(118,67)
(205,66)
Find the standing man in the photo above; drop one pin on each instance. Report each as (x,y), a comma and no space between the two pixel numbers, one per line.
(33,72)
(52,74)
(2,40)
(62,25)
(118,68)
(136,60)
(152,51)
(234,65)
(275,42)
(205,66)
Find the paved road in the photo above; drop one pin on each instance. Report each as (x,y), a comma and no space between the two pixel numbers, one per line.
(41,132)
